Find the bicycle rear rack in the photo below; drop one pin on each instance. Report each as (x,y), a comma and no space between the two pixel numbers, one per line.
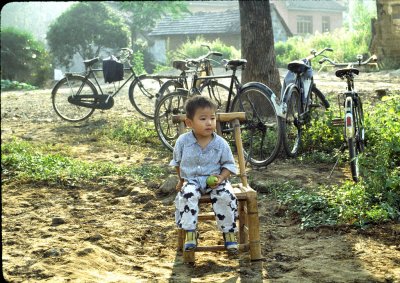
(337,122)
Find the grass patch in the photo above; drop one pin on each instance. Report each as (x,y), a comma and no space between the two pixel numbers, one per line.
(26,162)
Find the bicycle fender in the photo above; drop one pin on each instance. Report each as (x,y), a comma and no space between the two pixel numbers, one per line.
(280,108)
(62,80)
(259,85)
(288,89)
(284,98)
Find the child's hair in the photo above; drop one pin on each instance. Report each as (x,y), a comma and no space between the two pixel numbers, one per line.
(196,102)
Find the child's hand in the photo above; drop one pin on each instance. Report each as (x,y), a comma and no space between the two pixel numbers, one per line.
(179,186)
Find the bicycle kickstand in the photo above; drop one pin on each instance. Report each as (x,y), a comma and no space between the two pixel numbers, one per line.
(342,147)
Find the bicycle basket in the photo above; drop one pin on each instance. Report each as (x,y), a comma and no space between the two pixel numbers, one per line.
(113,70)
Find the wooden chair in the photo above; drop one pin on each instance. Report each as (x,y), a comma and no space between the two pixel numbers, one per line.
(248,226)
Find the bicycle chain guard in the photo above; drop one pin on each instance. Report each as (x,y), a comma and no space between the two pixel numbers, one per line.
(103,102)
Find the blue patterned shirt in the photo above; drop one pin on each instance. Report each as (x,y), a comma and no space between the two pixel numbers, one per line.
(196,164)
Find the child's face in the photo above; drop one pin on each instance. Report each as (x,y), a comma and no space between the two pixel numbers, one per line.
(203,122)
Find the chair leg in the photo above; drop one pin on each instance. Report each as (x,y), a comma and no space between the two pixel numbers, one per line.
(180,240)
(189,257)
(242,223)
(254,226)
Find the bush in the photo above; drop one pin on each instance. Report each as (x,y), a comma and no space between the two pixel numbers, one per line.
(23,58)
(376,198)
(194,49)
(346,46)
(14,85)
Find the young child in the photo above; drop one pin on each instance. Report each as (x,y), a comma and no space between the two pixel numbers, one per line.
(197,155)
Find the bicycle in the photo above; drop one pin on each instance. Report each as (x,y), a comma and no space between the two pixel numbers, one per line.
(353,120)
(260,132)
(75,97)
(300,97)
(172,83)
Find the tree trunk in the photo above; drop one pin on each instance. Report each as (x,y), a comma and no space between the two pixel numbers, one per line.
(258,44)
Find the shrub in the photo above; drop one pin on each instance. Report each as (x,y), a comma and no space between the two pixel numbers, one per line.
(23,58)
(346,46)
(194,49)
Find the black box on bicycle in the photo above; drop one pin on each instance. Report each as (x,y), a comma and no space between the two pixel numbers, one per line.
(113,70)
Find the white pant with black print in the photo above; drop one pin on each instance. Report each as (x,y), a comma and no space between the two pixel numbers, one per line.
(224,204)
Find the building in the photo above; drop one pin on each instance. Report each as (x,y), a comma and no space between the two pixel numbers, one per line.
(223,23)
(308,17)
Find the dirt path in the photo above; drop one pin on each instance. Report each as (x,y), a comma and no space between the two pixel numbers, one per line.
(124,232)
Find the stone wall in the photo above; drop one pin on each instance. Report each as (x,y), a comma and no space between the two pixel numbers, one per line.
(386,31)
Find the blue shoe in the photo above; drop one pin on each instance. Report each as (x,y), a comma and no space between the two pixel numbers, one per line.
(231,244)
(190,240)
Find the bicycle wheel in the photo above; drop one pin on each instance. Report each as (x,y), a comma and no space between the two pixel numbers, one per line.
(218,93)
(169,105)
(168,87)
(316,93)
(261,132)
(73,85)
(143,94)
(291,125)
(356,144)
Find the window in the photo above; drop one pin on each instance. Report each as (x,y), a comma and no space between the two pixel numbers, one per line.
(326,24)
(396,12)
(304,24)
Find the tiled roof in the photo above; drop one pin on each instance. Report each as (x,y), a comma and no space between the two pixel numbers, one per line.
(227,22)
(320,5)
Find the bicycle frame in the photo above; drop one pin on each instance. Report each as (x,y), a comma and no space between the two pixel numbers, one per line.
(91,73)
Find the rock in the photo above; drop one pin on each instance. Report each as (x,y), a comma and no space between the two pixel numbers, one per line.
(57,221)
(94,238)
(85,252)
(169,185)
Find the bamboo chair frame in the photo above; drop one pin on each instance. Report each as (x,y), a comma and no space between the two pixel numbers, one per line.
(248,228)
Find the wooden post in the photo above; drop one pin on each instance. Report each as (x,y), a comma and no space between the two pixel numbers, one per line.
(242,221)
(239,147)
(254,226)
(188,257)
(181,239)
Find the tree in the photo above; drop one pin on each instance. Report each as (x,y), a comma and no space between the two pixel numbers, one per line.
(258,44)
(23,58)
(86,28)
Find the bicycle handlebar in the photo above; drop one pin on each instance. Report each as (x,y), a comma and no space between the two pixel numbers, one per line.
(314,53)
(350,64)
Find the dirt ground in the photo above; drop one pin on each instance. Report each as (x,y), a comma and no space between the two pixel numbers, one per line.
(124,231)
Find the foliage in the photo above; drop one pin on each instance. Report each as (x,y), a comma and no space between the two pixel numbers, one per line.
(14,85)
(376,197)
(346,46)
(26,162)
(381,161)
(86,28)
(138,62)
(139,132)
(23,58)
(320,134)
(196,48)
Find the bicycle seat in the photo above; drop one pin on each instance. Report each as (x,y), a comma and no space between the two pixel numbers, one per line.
(91,62)
(298,67)
(180,65)
(234,64)
(345,72)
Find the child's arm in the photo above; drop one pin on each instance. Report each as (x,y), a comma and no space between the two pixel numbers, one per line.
(181,180)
